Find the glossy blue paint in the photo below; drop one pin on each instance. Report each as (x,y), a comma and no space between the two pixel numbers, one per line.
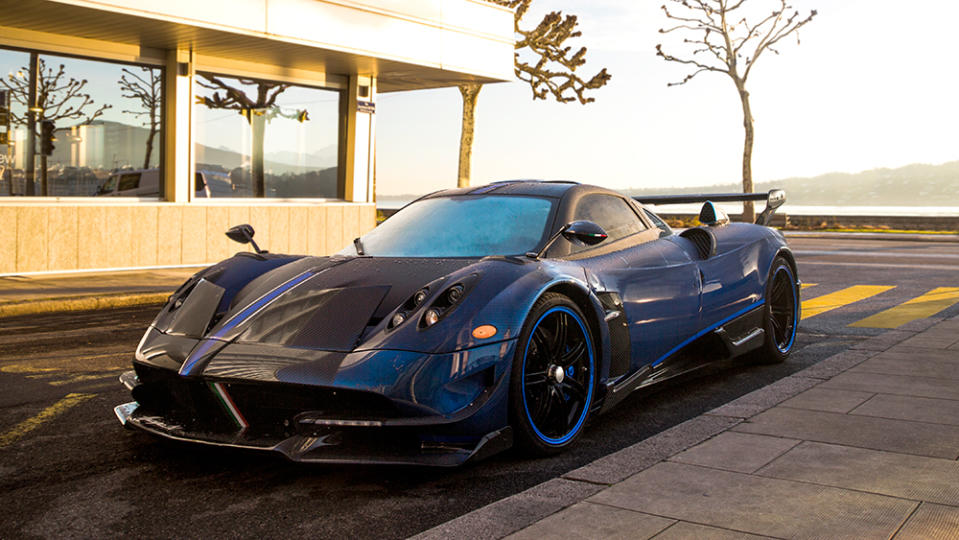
(455,386)
(705,331)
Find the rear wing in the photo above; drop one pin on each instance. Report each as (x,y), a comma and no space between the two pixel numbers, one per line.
(774,199)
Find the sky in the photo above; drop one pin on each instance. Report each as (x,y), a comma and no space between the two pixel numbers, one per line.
(871,84)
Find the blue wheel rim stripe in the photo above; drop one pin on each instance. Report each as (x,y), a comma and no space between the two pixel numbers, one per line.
(589,394)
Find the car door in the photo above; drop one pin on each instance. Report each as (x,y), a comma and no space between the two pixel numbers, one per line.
(658,285)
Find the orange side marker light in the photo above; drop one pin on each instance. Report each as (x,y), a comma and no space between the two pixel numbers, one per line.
(484,332)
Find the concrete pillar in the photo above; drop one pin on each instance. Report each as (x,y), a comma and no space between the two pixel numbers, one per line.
(360,139)
(177,139)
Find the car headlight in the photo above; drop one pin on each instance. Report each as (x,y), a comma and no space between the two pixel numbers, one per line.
(444,303)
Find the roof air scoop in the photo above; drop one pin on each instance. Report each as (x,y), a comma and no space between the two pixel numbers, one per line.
(712,215)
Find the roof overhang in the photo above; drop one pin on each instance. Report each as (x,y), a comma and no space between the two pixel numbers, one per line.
(405,45)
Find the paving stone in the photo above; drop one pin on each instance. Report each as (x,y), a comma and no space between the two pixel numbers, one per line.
(513,513)
(588,520)
(836,364)
(917,366)
(769,396)
(622,464)
(919,325)
(757,505)
(883,341)
(909,354)
(885,473)
(900,385)
(821,399)
(933,440)
(684,531)
(931,522)
(933,411)
(739,452)
(924,342)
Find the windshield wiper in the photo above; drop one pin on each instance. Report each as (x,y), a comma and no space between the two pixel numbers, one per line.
(359,246)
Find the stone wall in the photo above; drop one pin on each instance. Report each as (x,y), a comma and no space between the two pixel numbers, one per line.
(62,237)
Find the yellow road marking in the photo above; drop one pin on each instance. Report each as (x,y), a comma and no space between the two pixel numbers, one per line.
(47,414)
(80,378)
(920,307)
(831,301)
(21,368)
(805,285)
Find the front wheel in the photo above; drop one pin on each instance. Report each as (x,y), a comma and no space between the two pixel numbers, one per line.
(554,371)
(781,313)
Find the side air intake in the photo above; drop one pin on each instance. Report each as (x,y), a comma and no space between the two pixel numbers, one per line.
(703,239)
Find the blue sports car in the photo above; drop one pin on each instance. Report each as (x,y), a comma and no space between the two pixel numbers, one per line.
(471,321)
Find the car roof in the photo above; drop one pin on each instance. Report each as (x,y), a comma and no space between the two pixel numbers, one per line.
(541,188)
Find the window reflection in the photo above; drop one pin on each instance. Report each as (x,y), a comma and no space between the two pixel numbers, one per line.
(104,118)
(257,138)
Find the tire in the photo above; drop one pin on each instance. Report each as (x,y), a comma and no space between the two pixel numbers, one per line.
(780,313)
(553,377)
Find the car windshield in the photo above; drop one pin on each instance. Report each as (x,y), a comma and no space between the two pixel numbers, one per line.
(460,227)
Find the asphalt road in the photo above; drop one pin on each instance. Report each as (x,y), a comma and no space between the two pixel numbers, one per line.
(68,469)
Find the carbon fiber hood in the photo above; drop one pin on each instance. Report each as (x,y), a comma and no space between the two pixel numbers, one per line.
(332,303)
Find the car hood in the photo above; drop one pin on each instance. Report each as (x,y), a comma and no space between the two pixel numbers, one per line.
(314,302)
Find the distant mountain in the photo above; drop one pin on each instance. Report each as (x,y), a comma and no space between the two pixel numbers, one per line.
(321,159)
(912,185)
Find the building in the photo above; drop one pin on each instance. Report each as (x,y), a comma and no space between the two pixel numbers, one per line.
(271,101)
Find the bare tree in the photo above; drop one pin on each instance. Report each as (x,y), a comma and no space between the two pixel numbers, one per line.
(145,88)
(59,98)
(257,110)
(719,37)
(551,73)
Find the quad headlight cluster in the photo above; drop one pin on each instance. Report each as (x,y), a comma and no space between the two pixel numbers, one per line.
(442,304)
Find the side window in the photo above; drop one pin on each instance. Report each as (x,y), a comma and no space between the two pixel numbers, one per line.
(129,181)
(659,223)
(108,186)
(611,213)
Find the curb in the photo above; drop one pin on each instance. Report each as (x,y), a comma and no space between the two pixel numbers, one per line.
(901,237)
(80,303)
(516,512)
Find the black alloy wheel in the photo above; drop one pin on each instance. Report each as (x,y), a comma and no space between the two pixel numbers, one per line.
(781,312)
(553,376)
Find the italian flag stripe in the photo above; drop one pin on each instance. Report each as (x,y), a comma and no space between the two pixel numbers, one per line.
(228,404)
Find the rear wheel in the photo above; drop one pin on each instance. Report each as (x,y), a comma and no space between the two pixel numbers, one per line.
(781,318)
(551,389)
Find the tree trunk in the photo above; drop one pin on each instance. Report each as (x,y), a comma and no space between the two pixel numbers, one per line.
(470,94)
(44,190)
(149,151)
(31,165)
(258,126)
(749,212)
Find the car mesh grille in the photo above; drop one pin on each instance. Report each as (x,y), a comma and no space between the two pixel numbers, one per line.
(269,408)
(703,240)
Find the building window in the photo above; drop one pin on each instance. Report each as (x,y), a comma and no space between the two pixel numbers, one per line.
(259,138)
(92,121)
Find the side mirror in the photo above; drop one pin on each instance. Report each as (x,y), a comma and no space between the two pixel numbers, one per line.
(244,235)
(774,199)
(586,232)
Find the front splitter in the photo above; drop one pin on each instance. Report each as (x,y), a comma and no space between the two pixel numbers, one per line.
(332,447)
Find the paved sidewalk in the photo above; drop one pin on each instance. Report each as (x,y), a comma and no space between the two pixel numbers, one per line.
(861,445)
(27,295)
(901,237)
